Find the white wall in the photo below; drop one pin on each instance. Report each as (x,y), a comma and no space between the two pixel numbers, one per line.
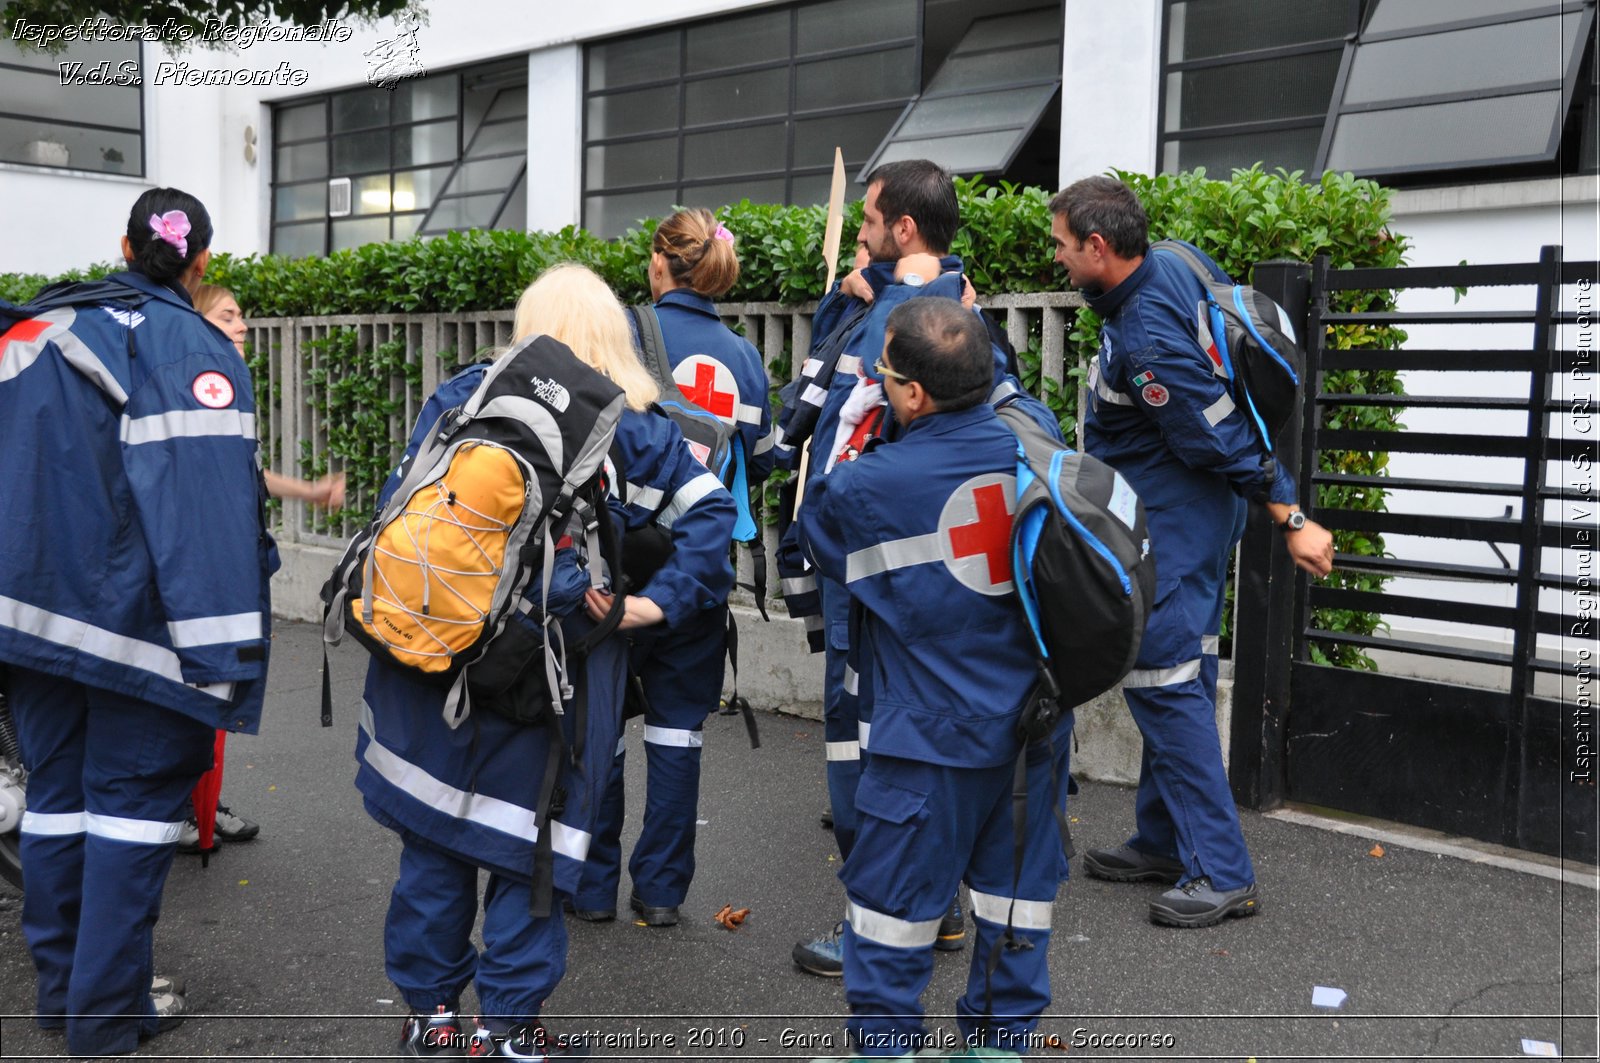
(1110,64)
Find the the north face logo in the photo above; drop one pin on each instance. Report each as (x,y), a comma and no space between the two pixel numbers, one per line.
(550,393)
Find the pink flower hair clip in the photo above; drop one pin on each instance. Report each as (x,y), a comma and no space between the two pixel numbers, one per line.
(723,234)
(173,227)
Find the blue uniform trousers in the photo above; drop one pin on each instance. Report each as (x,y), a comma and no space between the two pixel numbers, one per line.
(841,719)
(1184,808)
(924,828)
(427,939)
(109,778)
(681,671)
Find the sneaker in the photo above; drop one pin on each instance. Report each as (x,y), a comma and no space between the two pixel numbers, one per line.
(171,1010)
(1196,904)
(167,984)
(438,1035)
(952,929)
(589,915)
(527,1040)
(824,956)
(651,915)
(827,818)
(189,837)
(1127,864)
(235,828)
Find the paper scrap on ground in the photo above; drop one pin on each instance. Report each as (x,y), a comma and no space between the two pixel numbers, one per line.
(1376,850)
(1530,1047)
(1325,996)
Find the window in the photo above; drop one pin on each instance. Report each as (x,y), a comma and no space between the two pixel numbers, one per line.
(1248,81)
(1436,86)
(747,105)
(66,109)
(986,97)
(442,152)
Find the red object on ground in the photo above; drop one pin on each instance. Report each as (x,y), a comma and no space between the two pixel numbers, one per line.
(206,794)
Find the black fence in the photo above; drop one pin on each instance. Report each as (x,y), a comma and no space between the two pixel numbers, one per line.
(1497,607)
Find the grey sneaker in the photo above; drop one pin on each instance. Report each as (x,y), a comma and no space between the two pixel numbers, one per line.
(1196,904)
(824,955)
(437,1036)
(171,1010)
(1127,864)
(189,837)
(162,983)
(235,828)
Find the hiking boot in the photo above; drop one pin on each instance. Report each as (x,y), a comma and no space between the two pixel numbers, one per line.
(526,1040)
(952,929)
(589,915)
(438,1036)
(827,819)
(168,984)
(1127,864)
(235,828)
(189,837)
(824,955)
(1196,904)
(650,915)
(171,1010)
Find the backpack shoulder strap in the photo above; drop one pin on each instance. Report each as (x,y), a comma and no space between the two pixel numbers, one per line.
(1186,254)
(652,344)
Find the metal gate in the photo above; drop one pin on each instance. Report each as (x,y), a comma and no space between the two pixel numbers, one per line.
(1497,607)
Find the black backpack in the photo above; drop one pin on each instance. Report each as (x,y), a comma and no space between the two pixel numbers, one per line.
(1251,340)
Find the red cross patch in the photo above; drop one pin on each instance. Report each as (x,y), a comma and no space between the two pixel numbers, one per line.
(975,532)
(708,384)
(701,452)
(213,390)
(1155,394)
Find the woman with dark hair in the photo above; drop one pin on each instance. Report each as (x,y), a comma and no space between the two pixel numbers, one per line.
(692,261)
(127,424)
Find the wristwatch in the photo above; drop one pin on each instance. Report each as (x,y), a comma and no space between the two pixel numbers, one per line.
(913,279)
(1293,522)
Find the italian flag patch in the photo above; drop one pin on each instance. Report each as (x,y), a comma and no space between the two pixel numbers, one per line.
(1142,379)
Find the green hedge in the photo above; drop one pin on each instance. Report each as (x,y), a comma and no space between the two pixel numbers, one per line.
(1004,241)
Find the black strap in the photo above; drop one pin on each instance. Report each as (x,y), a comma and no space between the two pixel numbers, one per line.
(736,703)
(542,878)
(758,574)
(327,690)
(652,344)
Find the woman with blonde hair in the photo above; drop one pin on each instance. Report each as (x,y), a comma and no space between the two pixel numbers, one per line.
(476,811)
(692,261)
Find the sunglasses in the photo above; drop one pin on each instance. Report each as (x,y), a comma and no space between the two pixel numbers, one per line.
(883,369)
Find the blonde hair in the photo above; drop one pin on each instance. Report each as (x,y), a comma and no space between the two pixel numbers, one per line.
(695,256)
(207,296)
(570,303)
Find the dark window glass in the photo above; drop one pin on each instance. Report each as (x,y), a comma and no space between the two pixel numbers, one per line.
(967,153)
(1445,134)
(633,60)
(509,104)
(842,24)
(757,94)
(415,189)
(976,111)
(812,189)
(298,162)
(424,98)
(370,195)
(1014,31)
(623,114)
(856,79)
(1444,64)
(298,202)
(494,138)
(1201,29)
(731,151)
(968,73)
(613,215)
(356,152)
(738,41)
(640,162)
(467,212)
(515,215)
(89,53)
(1292,149)
(419,145)
(405,226)
(362,109)
(54,122)
(301,123)
(1390,15)
(43,97)
(1294,87)
(298,241)
(714,196)
(489,175)
(70,147)
(353,232)
(857,134)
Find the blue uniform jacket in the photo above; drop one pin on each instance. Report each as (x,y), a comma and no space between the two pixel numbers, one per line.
(1159,410)
(720,371)
(134,555)
(919,532)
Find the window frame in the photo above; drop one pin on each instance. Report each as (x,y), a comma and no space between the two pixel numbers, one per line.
(139,132)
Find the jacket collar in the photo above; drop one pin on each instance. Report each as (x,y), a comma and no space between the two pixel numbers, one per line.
(689,299)
(879,275)
(1106,303)
(943,423)
(173,293)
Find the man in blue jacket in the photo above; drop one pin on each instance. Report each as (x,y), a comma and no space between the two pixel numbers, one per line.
(918,531)
(1160,413)
(133,604)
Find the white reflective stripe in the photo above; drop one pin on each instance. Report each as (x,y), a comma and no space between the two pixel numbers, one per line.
(810,367)
(767,442)
(645,497)
(863,732)
(887,930)
(849,364)
(898,553)
(798,585)
(1162,677)
(687,496)
(1208,645)
(1028,915)
(844,750)
(1218,410)
(485,811)
(176,424)
(210,630)
(54,824)
(813,622)
(98,642)
(747,414)
(852,681)
(140,831)
(814,395)
(622,743)
(673,736)
(1102,389)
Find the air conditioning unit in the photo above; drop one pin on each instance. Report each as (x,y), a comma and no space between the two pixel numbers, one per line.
(339,197)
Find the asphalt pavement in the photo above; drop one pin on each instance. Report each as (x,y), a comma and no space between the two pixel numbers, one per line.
(281,939)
